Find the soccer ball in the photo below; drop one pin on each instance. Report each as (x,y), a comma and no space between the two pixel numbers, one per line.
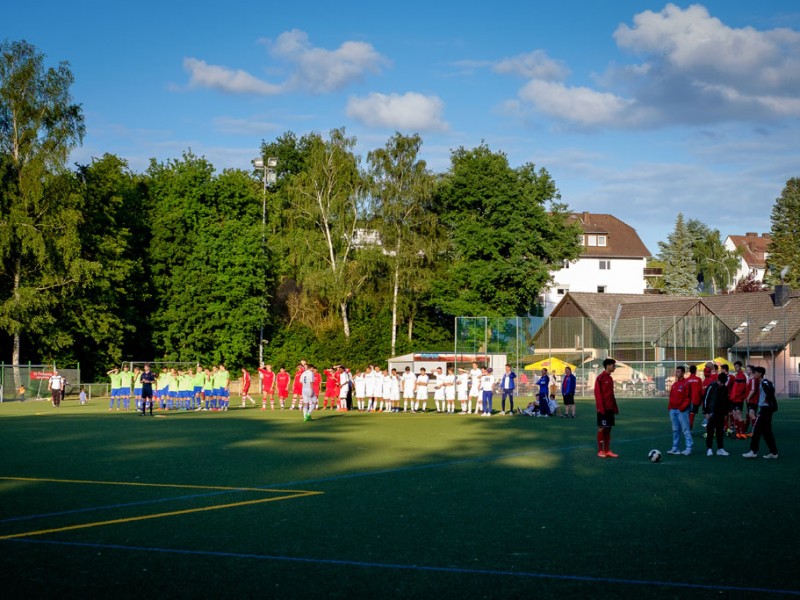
(654,456)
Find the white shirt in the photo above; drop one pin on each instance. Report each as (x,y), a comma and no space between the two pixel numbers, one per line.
(449,386)
(56,381)
(475,379)
(422,387)
(409,380)
(487,383)
(361,385)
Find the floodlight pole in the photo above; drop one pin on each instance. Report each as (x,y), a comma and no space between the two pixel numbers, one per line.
(268,176)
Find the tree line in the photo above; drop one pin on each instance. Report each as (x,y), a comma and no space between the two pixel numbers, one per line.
(356,259)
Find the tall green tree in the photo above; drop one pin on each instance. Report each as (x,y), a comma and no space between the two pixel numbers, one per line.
(408,228)
(209,272)
(717,264)
(108,315)
(677,258)
(508,232)
(40,215)
(784,249)
(327,200)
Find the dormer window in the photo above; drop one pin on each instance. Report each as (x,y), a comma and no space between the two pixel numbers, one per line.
(591,240)
(602,240)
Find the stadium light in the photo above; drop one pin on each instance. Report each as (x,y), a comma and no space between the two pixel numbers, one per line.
(269,176)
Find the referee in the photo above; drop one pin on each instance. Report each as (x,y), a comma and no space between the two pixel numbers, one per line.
(148,378)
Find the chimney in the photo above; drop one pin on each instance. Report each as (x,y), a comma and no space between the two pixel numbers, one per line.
(781,295)
(585,218)
(751,234)
(766,236)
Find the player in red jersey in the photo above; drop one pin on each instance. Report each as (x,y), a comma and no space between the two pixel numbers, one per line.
(331,389)
(246,388)
(696,388)
(738,393)
(709,377)
(751,398)
(297,386)
(267,386)
(282,381)
(607,409)
(317,383)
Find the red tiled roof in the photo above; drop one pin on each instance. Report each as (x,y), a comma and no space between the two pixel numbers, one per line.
(754,248)
(622,242)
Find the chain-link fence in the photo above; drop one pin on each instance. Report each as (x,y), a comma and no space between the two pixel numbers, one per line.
(647,349)
(29,382)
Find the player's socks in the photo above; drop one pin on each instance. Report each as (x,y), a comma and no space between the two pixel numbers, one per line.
(691,420)
(607,439)
(601,441)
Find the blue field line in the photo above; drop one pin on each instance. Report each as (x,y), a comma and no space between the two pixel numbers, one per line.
(418,568)
(345,476)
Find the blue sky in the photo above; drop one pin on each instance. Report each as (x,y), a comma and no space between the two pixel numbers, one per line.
(639,109)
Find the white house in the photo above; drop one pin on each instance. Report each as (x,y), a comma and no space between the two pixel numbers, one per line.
(613,261)
(753,257)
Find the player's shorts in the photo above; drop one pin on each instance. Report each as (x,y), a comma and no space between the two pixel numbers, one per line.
(737,406)
(224,393)
(474,393)
(450,396)
(438,394)
(569,399)
(297,390)
(146,392)
(198,389)
(173,394)
(605,419)
(137,392)
(423,396)
(753,407)
(283,394)
(245,390)
(695,408)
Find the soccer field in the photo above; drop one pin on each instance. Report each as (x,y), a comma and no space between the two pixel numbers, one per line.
(251,504)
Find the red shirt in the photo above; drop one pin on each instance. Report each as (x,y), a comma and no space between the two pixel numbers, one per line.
(245,382)
(679,395)
(695,389)
(604,397)
(709,377)
(317,383)
(297,386)
(267,380)
(739,387)
(331,389)
(283,380)
(752,388)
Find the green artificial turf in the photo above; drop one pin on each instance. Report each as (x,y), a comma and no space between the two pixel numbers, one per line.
(386,505)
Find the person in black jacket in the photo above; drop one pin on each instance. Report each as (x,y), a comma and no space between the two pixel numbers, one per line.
(716,406)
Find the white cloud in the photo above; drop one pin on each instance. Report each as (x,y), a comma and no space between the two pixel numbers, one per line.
(319,70)
(691,69)
(311,69)
(235,81)
(409,112)
(582,106)
(533,65)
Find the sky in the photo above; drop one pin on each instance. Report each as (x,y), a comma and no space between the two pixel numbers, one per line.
(638,109)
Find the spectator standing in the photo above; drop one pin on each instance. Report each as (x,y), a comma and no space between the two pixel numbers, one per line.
(767,406)
(544,389)
(508,384)
(568,384)
(716,406)
(55,386)
(679,407)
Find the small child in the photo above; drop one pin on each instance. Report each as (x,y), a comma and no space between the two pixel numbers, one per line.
(82,395)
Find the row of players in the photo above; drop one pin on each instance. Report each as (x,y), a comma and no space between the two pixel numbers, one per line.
(377,390)
(206,389)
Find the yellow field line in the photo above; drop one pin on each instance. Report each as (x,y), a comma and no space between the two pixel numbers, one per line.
(134,483)
(157,516)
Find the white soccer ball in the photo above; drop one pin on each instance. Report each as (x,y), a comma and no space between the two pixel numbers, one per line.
(654,456)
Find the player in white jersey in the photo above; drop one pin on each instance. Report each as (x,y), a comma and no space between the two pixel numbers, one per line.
(487,387)
(361,390)
(474,387)
(394,391)
(369,388)
(462,390)
(409,383)
(422,391)
(386,391)
(450,390)
(438,390)
(378,391)
(345,380)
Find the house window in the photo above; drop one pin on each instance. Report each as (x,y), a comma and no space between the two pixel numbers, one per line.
(566,264)
(602,240)
(562,291)
(601,289)
(591,240)
(605,265)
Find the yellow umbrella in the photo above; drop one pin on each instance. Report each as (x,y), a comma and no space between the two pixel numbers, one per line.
(553,364)
(719,360)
